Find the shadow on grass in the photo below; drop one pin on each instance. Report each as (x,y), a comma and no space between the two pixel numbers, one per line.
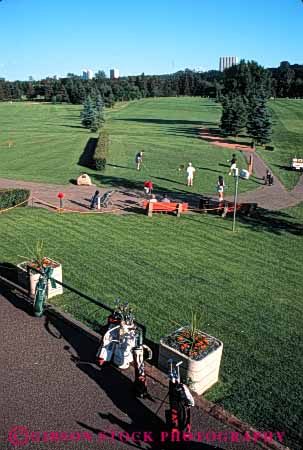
(287,168)
(168,121)
(86,158)
(276,222)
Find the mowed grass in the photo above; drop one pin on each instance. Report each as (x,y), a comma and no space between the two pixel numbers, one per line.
(49,141)
(287,116)
(246,286)
(167,130)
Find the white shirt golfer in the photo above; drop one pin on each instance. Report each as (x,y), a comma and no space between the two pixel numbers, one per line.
(190,174)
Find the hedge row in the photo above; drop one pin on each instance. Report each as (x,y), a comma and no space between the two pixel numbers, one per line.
(101,150)
(12,197)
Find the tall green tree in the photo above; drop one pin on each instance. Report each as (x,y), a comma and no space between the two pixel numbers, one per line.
(239,114)
(100,118)
(227,118)
(259,125)
(88,115)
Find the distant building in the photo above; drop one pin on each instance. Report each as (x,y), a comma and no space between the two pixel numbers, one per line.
(114,74)
(87,74)
(30,78)
(227,61)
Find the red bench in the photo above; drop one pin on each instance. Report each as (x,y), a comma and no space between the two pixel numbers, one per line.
(151,207)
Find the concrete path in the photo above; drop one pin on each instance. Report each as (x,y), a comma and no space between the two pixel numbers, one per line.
(49,383)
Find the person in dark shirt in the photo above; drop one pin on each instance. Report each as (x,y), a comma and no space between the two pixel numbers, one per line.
(139,159)
(233,164)
(268,179)
(94,200)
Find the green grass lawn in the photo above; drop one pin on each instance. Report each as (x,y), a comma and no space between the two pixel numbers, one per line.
(287,116)
(165,128)
(49,142)
(247,287)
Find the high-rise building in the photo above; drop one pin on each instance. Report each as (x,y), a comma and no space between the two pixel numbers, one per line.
(87,74)
(114,74)
(227,61)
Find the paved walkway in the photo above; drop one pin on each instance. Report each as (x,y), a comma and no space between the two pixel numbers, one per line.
(77,198)
(270,197)
(49,383)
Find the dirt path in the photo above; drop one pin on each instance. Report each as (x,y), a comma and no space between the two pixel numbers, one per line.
(208,135)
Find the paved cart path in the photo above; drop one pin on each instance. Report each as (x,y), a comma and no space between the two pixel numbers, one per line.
(77,198)
(49,383)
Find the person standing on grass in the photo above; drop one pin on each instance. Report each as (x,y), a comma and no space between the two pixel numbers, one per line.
(190,174)
(139,159)
(233,164)
(220,188)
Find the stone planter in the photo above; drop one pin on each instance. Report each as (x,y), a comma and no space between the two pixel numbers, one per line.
(31,281)
(199,374)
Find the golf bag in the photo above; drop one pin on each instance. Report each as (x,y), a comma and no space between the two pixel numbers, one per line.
(138,355)
(119,339)
(110,337)
(41,290)
(180,402)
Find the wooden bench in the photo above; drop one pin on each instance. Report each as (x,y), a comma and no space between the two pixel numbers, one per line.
(151,207)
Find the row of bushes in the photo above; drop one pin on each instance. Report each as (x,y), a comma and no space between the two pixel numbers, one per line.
(12,197)
(101,150)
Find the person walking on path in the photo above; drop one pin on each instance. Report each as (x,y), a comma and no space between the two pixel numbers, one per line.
(139,159)
(233,164)
(190,174)
(220,188)
(268,179)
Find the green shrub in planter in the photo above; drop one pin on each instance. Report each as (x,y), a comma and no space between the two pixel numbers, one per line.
(12,197)
(101,150)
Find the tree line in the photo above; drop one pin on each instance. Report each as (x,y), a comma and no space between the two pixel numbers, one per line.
(75,90)
(284,81)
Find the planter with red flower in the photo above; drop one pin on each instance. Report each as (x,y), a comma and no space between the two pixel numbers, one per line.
(200,354)
(28,277)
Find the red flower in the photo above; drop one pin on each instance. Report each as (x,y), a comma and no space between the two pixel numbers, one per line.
(60,195)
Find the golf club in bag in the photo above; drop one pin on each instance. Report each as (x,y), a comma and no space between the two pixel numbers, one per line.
(119,339)
(138,354)
(180,401)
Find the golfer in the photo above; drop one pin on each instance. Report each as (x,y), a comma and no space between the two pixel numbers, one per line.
(233,164)
(220,188)
(139,159)
(190,174)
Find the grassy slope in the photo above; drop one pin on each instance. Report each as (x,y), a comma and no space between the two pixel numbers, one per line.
(247,287)
(49,141)
(167,130)
(287,139)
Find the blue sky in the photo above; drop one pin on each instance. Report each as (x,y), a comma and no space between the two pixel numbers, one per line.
(48,37)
